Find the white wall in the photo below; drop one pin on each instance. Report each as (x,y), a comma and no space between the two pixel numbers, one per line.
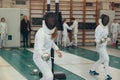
(12,16)
(110,13)
(24,12)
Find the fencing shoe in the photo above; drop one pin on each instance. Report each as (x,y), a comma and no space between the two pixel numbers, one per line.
(93,73)
(108,77)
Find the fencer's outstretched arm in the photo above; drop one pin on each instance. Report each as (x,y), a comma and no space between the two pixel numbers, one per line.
(67,26)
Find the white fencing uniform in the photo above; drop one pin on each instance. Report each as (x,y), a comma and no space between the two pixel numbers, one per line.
(100,33)
(74,26)
(115,29)
(43,44)
(3,32)
(65,35)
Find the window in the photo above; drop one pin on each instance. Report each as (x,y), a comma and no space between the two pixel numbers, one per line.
(89,4)
(37,21)
(21,2)
(117,5)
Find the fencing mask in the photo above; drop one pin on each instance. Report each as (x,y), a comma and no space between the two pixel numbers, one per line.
(50,20)
(104,19)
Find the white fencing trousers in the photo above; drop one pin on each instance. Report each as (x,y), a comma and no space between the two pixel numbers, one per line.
(2,42)
(59,38)
(114,39)
(75,38)
(103,58)
(45,68)
(66,40)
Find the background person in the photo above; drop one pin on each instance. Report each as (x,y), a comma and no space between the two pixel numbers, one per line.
(66,40)
(3,32)
(115,30)
(25,30)
(74,27)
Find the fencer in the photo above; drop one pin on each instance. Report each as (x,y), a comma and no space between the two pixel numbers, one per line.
(3,32)
(74,26)
(115,30)
(65,41)
(44,41)
(101,39)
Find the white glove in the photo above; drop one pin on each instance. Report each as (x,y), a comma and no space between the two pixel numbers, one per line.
(102,40)
(45,57)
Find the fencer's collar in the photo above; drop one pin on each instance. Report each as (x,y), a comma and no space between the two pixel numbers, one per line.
(46,30)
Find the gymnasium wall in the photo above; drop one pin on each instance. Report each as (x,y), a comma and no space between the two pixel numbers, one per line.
(12,16)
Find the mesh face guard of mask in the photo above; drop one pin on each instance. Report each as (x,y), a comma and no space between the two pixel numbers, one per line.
(50,20)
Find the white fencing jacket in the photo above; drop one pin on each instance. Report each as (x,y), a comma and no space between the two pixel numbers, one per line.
(74,26)
(3,30)
(43,41)
(115,28)
(101,32)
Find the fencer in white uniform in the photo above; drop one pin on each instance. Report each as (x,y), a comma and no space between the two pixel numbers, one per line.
(43,44)
(74,26)
(115,30)
(101,39)
(3,32)
(66,40)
